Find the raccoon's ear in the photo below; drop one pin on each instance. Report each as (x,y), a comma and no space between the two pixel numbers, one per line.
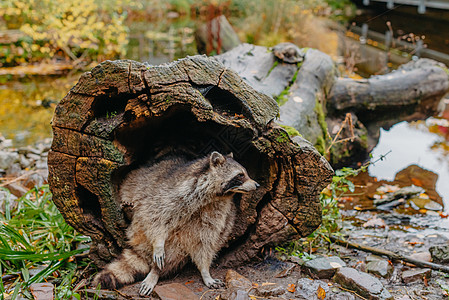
(216,159)
(231,155)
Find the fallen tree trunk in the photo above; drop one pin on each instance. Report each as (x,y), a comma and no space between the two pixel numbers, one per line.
(315,101)
(124,113)
(412,84)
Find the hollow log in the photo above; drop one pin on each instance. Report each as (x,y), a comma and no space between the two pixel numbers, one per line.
(123,114)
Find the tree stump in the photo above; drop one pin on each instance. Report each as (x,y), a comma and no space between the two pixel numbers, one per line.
(124,113)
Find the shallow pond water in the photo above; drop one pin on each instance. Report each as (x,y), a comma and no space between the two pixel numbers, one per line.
(421,143)
(27,106)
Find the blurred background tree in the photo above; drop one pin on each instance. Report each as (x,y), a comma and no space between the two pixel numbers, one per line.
(64,30)
(91,30)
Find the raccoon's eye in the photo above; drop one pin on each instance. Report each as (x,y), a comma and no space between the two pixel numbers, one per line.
(240,176)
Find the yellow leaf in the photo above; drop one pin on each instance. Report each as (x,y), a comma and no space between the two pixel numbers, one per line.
(320,293)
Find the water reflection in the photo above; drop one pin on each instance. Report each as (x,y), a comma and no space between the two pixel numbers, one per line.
(421,143)
(27,105)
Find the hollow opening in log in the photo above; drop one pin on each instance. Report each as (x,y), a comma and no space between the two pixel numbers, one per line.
(178,132)
(109,105)
(224,102)
(88,202)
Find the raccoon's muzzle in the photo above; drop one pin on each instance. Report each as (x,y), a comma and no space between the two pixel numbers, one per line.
(247,186)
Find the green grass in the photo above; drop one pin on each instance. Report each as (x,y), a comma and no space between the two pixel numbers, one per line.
(36,245)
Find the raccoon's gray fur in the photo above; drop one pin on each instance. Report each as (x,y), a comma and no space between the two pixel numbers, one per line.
(182,209)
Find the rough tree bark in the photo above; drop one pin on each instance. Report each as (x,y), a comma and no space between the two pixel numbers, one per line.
(124,113)
(314,100)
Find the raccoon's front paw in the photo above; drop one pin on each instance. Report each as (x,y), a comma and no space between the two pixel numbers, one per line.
(146,288)
(214,283)
(159,257)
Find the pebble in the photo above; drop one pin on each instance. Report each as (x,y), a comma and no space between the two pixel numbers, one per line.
(234,294)
(7,158)
(424,256)
(237,281)
(42,291)
(380,268)
(324,267)
(440,253)
(270,290)
(363,283)
(308,289)
(413,275)
(174,291)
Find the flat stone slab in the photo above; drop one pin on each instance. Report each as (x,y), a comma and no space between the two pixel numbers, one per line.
(325,267)
(413,275)
(362,283)
(310,289)
(270,290)
(174,291)
(380,268)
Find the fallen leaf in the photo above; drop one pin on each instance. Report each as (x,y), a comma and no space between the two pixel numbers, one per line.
(189,282)
(425,281)
(320,293)
(291,288)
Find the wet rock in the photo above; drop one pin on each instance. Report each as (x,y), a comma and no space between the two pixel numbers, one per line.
(425,203)
(42,165)
(174,291)
(324,267)
(33,157)
(309,289)
(405,192)
(234,294)
(416,275)
(424,256)
(440,253)
(286,271)
(14,170)
(270,290)
(374,222)
(24,162)
(237,281)
(42,291)
(16,189)
(415,174)
(4,197)
(7,158)
(373,257)
(380,268)
(5,143)
(364,284)
(34,180)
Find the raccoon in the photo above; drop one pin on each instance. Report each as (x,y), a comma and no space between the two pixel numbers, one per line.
(182,209)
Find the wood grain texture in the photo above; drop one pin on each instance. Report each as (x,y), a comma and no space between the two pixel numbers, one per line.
(124,113)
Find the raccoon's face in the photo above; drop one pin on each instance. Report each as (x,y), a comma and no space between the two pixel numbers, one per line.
(233,176)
